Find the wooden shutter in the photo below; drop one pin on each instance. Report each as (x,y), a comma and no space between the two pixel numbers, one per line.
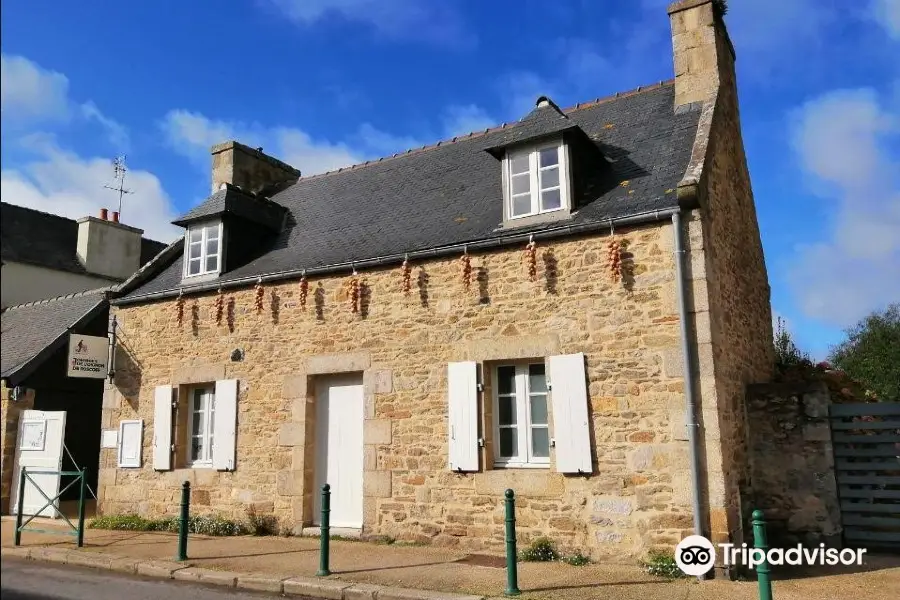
(462,383)
(225,429)
(571,432)
(162,428)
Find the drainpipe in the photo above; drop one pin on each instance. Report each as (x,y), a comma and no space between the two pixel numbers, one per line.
(693,426)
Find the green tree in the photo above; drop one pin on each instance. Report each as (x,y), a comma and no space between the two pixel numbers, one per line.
(787,354)
(871,353)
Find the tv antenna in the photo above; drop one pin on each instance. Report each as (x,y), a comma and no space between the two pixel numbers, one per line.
(119,168)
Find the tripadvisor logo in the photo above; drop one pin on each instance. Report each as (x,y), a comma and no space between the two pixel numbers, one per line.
(695,555)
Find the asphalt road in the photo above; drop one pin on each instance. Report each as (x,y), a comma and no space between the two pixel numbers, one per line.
(28,580)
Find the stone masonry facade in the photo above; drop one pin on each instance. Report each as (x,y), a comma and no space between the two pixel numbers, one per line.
(638,496)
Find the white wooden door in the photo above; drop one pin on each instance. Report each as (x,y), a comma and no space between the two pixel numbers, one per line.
(339,449)
(39,447)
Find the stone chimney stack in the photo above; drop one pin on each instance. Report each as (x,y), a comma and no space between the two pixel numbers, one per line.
(703,53)
(248,168)
(108,248)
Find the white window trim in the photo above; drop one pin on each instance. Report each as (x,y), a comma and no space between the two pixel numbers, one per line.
(208,421)
(523,408)
(533,170)
(203,254)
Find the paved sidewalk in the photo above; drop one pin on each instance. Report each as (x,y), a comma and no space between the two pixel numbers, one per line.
(289,565)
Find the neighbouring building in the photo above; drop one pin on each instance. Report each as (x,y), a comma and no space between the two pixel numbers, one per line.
(45,255)
(56,280)
(570,306)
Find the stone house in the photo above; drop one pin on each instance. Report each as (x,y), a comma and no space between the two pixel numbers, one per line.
(570,306)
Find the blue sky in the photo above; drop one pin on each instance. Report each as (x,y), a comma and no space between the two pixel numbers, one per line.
(327,83)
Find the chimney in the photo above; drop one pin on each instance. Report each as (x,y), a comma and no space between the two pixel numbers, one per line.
(703,53)
(108,248)
(248,168)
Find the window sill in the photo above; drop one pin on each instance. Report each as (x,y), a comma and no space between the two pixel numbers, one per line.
(200,465)
(560,214)
(519,465)
(200,278)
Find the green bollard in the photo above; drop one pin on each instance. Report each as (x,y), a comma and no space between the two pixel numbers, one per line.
(183,522)
(82,486)
(17,538)
(759,541)
(325,532)
(512,573)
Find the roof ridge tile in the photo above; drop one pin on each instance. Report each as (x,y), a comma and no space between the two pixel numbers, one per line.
(58,298)
(479,133)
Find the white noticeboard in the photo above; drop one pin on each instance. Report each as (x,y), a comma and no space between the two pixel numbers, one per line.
(88,355)
(33,435)
(109,438)
(130,442)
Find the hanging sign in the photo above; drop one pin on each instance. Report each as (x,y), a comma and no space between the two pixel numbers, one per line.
(87,356)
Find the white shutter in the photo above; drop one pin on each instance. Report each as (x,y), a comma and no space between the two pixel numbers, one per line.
(225,427)
(162,428)
(571,431)
(462,383)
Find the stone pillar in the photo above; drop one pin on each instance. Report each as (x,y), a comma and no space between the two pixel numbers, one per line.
(10,433)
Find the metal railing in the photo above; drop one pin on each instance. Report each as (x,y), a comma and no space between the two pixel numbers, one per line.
(25,478)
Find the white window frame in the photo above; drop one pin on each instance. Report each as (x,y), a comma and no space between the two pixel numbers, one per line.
(204,255)
(524,458)
(534,170)
(208,435)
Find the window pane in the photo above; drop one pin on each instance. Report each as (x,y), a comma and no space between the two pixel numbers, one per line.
(540,442)
(508,443)
(518,164)
(537,379)
(507,409)
(550,178)
(212,232)
(212,246)
(538,410)
(196,235)
(521,184)
(521,205)
(194,267)
(550,200)
(212,263)
(196,448)
(506,380)
(549,156)
(212,414)
(194,251)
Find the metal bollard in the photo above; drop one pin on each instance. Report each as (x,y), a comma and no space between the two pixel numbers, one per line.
(184,520)
(324,533)
(512,572)
(759,541)
(82,486)
(20,501)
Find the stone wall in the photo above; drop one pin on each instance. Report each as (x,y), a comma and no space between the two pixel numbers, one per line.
(248,168)
(638,496)
(9,414)
(792,463)
(730,299)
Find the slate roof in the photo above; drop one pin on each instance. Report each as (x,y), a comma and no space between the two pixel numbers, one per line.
(451,193)
(45,240)
(31,331)
(233,200)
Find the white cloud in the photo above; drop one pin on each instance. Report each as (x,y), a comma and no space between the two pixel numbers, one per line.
(887,12)
(436,22)
(63,183)
(28,92)
(32,94)
(192,135)
(846,142)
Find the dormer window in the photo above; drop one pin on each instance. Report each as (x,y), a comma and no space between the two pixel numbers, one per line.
(203,250)
(537,180)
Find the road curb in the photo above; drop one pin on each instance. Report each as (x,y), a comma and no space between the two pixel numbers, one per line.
(306,587)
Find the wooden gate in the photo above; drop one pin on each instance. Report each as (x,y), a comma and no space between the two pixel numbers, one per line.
(866,441)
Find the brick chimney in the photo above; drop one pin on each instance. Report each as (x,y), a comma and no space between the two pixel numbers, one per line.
(109,248)
(248,168)
(703,53)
